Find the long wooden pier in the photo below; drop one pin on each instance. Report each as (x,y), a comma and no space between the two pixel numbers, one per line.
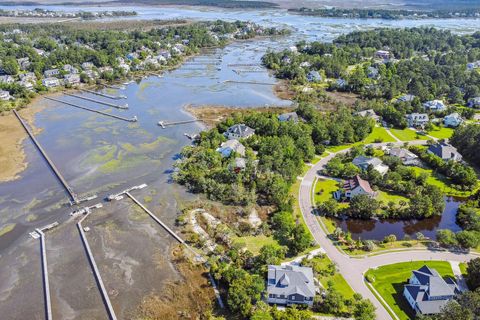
(165,124)
(109,96)
(108,104)
(46,283)
(250,82)
(134,119)
(244,65)
(69,190)
(96,272)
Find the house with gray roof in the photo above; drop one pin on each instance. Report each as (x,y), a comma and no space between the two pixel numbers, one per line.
(363,163)
(314,76)
(289,116)
(288,285)
(370,113)
(231,146)
(239,131)
(406,98)
(445,151)
(427,292)
(408,158)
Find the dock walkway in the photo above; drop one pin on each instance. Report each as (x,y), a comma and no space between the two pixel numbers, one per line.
(96,272)
(134,119)
(69,190)
(46,283)
(109,96)
(108,104)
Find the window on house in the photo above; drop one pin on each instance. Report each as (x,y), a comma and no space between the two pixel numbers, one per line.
(293,297)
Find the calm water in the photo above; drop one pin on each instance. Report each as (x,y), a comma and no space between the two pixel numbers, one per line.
(98,154)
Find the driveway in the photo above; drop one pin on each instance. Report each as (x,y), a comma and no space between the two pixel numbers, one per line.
(353,268)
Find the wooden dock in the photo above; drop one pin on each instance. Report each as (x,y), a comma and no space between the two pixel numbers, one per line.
(96,272)
(69,190)
(105,95)
(165,124)
(250,82)
(108,104)
(134,119)
(244,65)
(46,283)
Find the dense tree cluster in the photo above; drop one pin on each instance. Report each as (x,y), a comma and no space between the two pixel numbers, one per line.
(432,63)
(460,174)
(467,140)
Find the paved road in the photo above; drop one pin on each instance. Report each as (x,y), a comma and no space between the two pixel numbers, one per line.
(353,268)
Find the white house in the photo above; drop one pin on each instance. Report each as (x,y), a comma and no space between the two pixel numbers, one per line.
(289,285)
(453,120)
(71,79)
(7,79)
(51,73)
(314,76)
(435,105)
(417,119)
(427,292)
(5,95)
(70,69)
(408,158)
(406,98)
(354,187)
(87,65)
(239,131)
(50,82)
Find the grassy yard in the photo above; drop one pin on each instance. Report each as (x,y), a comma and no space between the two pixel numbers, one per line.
(324,189)
(407,134)
(443,183)
(379,134)
(386,197)
(390,279)
(441,132)
(463,268)
(334,149)
(255,243)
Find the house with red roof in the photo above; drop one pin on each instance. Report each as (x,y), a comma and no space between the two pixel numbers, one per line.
(354,187)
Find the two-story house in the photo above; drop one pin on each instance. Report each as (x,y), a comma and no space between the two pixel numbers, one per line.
(445,151)
(288,285)
(239,131)
(354,187)
(417,119)
(427,292)
(363,163)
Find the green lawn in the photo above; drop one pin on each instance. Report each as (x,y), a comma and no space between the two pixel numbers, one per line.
(386,197)
(441,132)
(339,282)
(334,149)
(463,268)
(324,189)
(443,183)
(254,243)
(407,134)
(379,134)
(390,279)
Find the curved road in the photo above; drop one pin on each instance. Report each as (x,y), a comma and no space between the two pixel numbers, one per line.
(353,268)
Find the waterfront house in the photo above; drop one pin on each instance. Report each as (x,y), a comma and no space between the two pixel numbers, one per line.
(29,76)
(406,98)
(417,119)
(290,285)
(4,95)
(70,69)
(445,151)
(239,131)
(27,84)
(363,163)
(453,120)
(72,79)
(435,105)
(354,187)
(50,82)
(369,114)
(106,69)
(427,292)
(231,146)
(314,76)
(289,116)
(91,74)
(474,102)
(51,73)
(24,63)
(408,158)
(87,65)
(7,79)
(124,67)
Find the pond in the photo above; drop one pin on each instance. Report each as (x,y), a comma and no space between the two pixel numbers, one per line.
(378,229)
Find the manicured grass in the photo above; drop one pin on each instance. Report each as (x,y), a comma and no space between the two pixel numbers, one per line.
(334,149)
(441,132)
(324,189)
(380,134)
(443,183)
(255,243)
(386,197)
(329,224)
(390,279)
(337,279)
(407,134)
(463,268)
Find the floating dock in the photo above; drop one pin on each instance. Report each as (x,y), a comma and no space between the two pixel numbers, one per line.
(109,96)
(134,119)
(118,106)
(69,190)
(96,272)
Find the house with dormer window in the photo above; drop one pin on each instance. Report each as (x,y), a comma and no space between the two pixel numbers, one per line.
(288,285)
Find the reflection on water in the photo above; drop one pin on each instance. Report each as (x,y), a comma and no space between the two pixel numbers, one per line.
(378,229)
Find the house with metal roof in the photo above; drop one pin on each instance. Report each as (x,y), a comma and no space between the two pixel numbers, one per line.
(427,292)
(239,131)
(288,285)
(453,120)
(435,105)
